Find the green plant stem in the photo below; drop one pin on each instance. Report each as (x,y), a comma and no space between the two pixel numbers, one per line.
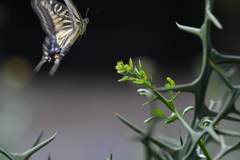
(204,149)
(171,106)
(174,109)
(200,142)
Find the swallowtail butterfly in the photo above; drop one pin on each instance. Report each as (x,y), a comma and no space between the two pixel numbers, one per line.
(62,24)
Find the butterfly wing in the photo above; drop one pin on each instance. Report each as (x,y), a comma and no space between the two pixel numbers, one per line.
(74,11)
(78,23)
(56,20)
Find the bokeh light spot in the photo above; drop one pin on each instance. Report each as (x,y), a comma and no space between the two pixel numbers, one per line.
(17,72)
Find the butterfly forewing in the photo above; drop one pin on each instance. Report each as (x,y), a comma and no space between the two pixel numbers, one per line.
(74,11)
(54,16)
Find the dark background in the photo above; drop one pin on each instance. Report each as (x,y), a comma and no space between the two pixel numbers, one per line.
(122,29)
(80,99)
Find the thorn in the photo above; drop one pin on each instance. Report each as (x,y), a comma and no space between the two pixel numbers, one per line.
(43,127)
(219,122)
(219,101)
(211,63)
(55,133)
(181,141)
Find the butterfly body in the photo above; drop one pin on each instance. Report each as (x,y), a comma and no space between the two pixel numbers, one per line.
(62,24)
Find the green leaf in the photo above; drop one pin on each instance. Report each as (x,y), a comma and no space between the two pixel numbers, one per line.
(202,156)
(187,110)
(130,63)
(127,67)
(171,82)
(144,76)
(167,86)
(121,72)
(122,80)
(171,119)
(144,92)
(137,72)
(138,82)
(149,119)
(158,113)
(140,65)
(206,122)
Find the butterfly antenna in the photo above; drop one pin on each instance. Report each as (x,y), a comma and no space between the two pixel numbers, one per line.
(54,67)
(38,67)
(86,12)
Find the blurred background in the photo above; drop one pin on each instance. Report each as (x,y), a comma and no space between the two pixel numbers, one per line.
(79,101)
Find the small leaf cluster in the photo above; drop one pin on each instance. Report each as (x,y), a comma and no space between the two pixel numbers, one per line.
(132,73)
(138,76)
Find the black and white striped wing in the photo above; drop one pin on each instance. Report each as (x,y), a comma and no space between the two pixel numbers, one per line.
(56,20)
(76,16)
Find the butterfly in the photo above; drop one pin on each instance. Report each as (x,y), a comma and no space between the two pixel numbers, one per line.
(63,25)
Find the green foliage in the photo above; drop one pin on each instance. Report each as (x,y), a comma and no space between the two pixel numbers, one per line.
(136,75)
(158,113)
(198,134)
(187,110)
(26,155)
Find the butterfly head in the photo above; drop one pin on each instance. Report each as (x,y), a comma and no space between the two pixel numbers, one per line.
(84,21)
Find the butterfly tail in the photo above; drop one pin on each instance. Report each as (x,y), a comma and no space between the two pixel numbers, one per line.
(55,66)
(38,67)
